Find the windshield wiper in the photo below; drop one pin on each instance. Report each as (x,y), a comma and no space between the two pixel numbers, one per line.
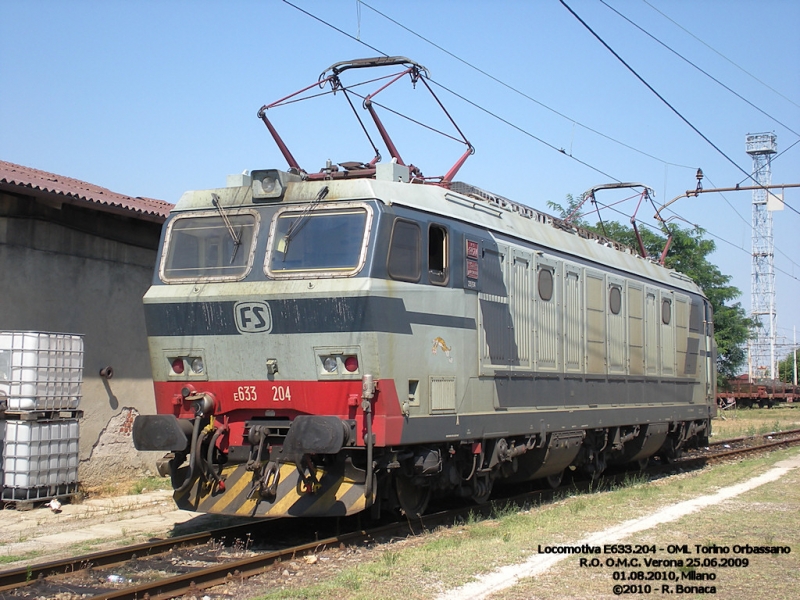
(297,224)
(236,237)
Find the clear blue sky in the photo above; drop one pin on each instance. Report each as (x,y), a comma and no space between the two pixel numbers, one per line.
(153,98)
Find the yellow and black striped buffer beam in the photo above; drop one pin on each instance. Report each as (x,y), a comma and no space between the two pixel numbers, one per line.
(335,496)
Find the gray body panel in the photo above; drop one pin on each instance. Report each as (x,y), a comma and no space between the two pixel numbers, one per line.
(476,357)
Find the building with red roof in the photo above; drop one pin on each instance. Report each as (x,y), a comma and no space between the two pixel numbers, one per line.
(77,258)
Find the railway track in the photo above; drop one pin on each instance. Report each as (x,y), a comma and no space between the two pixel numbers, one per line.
(13,578)
(730,448)
(185,565)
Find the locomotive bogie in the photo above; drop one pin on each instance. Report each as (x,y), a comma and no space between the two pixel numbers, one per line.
(344,344)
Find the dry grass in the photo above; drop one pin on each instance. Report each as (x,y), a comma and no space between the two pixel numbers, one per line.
(767,515)
(425,566)
(754,421)
(126,487)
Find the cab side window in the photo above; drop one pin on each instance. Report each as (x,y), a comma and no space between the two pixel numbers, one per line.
(404,251)
(438,267)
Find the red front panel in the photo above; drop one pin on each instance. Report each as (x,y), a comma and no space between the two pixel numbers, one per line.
(239,401)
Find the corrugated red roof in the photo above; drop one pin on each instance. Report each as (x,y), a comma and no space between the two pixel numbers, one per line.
(74,189)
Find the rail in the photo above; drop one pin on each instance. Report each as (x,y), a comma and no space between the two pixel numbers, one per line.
(86,577)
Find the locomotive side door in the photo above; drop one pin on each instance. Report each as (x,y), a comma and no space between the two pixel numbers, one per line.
(494,313)
(651,321)
(547,323)
(573,319)
(615,322)
(521,308)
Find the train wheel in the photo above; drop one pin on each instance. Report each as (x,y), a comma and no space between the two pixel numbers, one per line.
(413,498)
(670,454)
(554,480)
(595,468)
(482,489)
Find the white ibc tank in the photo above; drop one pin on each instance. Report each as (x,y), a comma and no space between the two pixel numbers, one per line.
(41,371)
(39,454)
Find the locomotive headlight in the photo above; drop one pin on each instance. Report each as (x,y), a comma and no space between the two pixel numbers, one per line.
(329,364)
(268,185)
(197,366)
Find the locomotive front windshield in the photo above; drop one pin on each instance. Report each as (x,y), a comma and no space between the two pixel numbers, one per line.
(330,241)
(209,247)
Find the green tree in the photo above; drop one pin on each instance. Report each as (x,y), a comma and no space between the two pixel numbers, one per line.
(688,254)
(786,367)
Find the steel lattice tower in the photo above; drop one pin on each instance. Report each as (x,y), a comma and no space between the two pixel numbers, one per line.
(761,146)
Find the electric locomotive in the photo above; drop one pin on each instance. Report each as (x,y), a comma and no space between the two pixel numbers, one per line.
(362,337)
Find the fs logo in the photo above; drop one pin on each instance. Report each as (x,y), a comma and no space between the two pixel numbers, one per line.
(252,317)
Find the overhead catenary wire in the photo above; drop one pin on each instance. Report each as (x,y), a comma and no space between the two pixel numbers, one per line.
(707,74)
(316,18)
(659,96)
(407,118)
(522,130)
(679,26)
(746,222)
(781,153)
(695,226)
(554,111)
(611,206)
(722,239)
(521,93)
(456,94)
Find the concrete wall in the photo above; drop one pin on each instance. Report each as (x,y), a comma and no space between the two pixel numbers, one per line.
(73,269)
